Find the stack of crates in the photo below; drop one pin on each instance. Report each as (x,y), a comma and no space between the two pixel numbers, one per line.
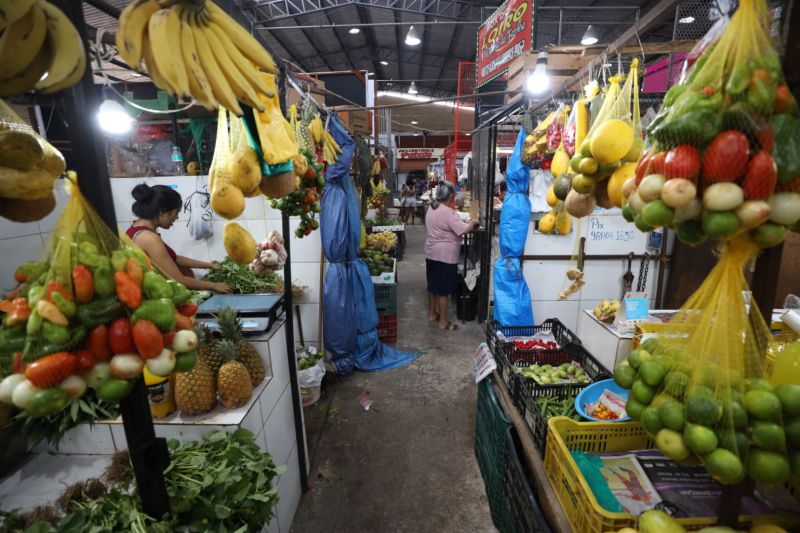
(386,304)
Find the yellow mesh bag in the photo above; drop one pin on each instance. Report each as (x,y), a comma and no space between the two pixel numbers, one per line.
(699,388)
(227,200)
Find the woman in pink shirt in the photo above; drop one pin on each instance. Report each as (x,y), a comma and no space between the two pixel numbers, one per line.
(442,249)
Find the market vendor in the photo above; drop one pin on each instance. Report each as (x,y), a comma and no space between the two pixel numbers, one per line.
(158,207)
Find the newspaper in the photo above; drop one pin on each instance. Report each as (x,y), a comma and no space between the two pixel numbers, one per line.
(629,484)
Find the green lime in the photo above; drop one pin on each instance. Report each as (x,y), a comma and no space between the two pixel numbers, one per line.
(638,356)
(634,409)
(662,397)
(691,232)
(657,213)
(706,375)
(762,404)
(642,393)
(700,439)
(699,390)
(651,345)
(794,462)
(665,361)
(652,373)
(757,384)
(624,376)
(735,441)
(792,429)
(671,444)
(651,421)
(770,468)
(671,414)
(737,414)
(789,395)
(587,165)
(724,466)
(675,383)
(703,410)
(641,225)
(768,436)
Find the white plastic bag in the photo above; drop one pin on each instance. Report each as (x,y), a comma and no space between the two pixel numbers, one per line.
(312,377)
(199,209)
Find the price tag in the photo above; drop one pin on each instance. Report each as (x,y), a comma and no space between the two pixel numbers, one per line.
(483,362)
(637,306)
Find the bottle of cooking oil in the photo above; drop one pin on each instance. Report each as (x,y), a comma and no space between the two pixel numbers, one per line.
(787,365)
(160,393)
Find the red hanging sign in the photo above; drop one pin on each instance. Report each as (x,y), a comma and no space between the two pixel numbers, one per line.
(506,34)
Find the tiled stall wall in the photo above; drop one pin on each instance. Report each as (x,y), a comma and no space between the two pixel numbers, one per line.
(606,232)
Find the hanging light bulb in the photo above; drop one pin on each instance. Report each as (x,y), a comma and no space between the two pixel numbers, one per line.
(538,80)
(384,63)
(590,37)
(414,121)
(353,31)
(413,88)
(113,119)
(412,39)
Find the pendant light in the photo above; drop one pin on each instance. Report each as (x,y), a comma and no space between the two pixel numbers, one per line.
(414,121)
(412,39)
(590,37)
(113,119)
(538,80)
(413,88)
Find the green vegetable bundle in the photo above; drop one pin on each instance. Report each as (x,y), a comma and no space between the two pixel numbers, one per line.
(243,280)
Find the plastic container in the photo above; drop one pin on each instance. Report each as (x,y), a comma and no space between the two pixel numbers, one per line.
(534,419)
(310,396)
(526,515)
(387,328)
(386,299)
(592,393)
(177,160)
(577,500)
(160,394)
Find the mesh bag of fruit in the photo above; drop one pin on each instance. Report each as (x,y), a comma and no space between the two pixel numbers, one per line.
(93,313)
(700,389)
(725,143)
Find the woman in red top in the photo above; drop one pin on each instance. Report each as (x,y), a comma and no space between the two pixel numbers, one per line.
(158,207)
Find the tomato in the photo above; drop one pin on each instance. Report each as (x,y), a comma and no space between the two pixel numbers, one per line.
(169,336)
(650,164)
(86,360)
(761,177)
(188,309)
(766,138)
(147,338)
(120,336)
(47,401)
(98,343)
(726,157)
(641,167)
(682,162)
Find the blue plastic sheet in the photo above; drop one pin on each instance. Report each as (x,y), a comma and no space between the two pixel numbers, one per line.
(512,298)
(348,301)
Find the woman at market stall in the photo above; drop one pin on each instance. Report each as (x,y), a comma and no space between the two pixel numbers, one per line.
(158,207)
(442,249)
(408,203)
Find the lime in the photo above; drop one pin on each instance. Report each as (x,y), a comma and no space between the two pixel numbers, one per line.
(627,213)
(789,395)
(655,521)
(574,162)
(706,375)
(735,441)
(665,361)
(651,345)
(757,384)
(671,444)
(691,232)
(762,404)
(720,224)
(700,439)
(737,414)
(641,225)
(638,356)
(634,408)
(660,398)
(792,429)
(794,462)
(651,421)
(768,436)
(770,468)
(657,213)
(724,466)
(642,393)
(676,382)
(767,528)
(703,410)
(652,373)
(699,390)
(671,414)
(587,165)
(624,376)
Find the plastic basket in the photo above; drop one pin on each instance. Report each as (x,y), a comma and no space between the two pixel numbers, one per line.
(387,328)
(386,299)
(491,427)
(526,515)
(577,500)
(534,419)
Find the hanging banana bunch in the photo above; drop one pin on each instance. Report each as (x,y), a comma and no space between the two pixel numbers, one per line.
(195,50)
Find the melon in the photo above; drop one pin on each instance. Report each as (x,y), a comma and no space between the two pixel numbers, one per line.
(227,200)
(611,141)
(239,244)
(617,180)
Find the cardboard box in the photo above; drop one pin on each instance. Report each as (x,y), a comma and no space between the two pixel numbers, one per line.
(309,83)
(359,121)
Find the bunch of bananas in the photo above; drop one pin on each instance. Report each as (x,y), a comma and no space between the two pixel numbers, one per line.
(195,49)
(330,148)
(536,140)
(40,49)
(606,311)
(376,165)
(29,166)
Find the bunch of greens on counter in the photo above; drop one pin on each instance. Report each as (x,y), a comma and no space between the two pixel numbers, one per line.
(222,483)
(243,281)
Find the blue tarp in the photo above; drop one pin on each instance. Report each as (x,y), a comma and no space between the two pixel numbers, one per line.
(512,299)
(348,302)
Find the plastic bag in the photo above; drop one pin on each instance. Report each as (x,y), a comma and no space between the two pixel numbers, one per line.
(555,129)
(312,377)
(198,207)
(700,387)
(724,154)
(74,312)
(570,131)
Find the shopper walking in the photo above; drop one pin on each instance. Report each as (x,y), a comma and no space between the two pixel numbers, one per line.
(408,202)
(442,250)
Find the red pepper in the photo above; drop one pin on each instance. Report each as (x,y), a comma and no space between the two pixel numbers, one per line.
(55,286)
(120,336)
(20,311)
(128,291)
(188,309)
(98,343)
(83,283)
(50,370)
(85,360)
(134,270)
(784,100)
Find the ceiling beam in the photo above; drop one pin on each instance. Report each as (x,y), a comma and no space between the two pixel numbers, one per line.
(451,50)
(277,10)
(399,44)
(367,54)
(369,34)
(339,42)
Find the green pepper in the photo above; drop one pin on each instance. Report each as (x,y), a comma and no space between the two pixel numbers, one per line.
(761,96)
(53,333)
(180,294)
(34,350)
(135,253)
(739,79)
(742,117)
(35,293)
(786,152)
(160,312)
(104,281)
(155,286)
(695,127)
(89,256)
(64,305)
(13,339)
(34,323)
(674,92)
(100,311)
(118,260)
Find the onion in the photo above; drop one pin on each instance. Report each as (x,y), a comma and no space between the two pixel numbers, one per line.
(628,187)
(637,204)
(163,365)
(97,375)
(74,386)
(753,213)
(126,366)
(21,397)
(8,385)
(784,208)
(688,212)
(678,192)
(185,341)
(650,187)
(723,196)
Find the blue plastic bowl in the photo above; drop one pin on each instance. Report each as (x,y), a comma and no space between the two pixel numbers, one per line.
(592,393)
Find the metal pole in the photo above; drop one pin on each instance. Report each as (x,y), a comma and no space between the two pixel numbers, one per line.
(149,454)
(560,22)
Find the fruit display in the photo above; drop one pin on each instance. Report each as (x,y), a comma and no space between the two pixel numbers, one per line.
(271,255)
(40,49)
(606,311)
(91,317)
(720,164)
(565,373)
(378,262)
(557,220)
(195,50)
(379,194)
(384,241)
(29,166)
(657,521)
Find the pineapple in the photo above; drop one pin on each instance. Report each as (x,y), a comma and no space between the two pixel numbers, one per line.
(195,390)
(208,351)
(246,353)
(233,381)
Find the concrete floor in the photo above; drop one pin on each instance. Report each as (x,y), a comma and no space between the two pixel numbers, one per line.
(406,464)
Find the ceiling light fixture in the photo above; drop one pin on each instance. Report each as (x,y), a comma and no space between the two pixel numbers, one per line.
(384,63)
(353,31)
(413,88)
(412,39)
(469,134)
(590,37)
(686,20)
(113,119)
(416,133)
(538,80)
(414,121)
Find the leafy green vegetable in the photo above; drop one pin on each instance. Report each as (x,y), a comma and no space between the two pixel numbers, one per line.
(243,280)
(550,407)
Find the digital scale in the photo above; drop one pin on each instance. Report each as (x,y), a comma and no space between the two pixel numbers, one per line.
(257,312)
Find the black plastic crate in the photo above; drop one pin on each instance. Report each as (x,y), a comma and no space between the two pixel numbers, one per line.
(534,419)
(386,299)
(526,515)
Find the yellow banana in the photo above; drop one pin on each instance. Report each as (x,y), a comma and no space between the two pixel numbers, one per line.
(13,10)
(132,29)
(241,87)
(248,44)
(69,61)
(164,34)
(241,63)
(25,80)
(21,41)
(152,68)
(222,89)
(198,82)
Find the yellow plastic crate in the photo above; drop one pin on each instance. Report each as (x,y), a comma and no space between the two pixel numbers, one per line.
(580,506)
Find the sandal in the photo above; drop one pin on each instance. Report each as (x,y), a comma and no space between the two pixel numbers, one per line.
(450,327)
(435,318)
